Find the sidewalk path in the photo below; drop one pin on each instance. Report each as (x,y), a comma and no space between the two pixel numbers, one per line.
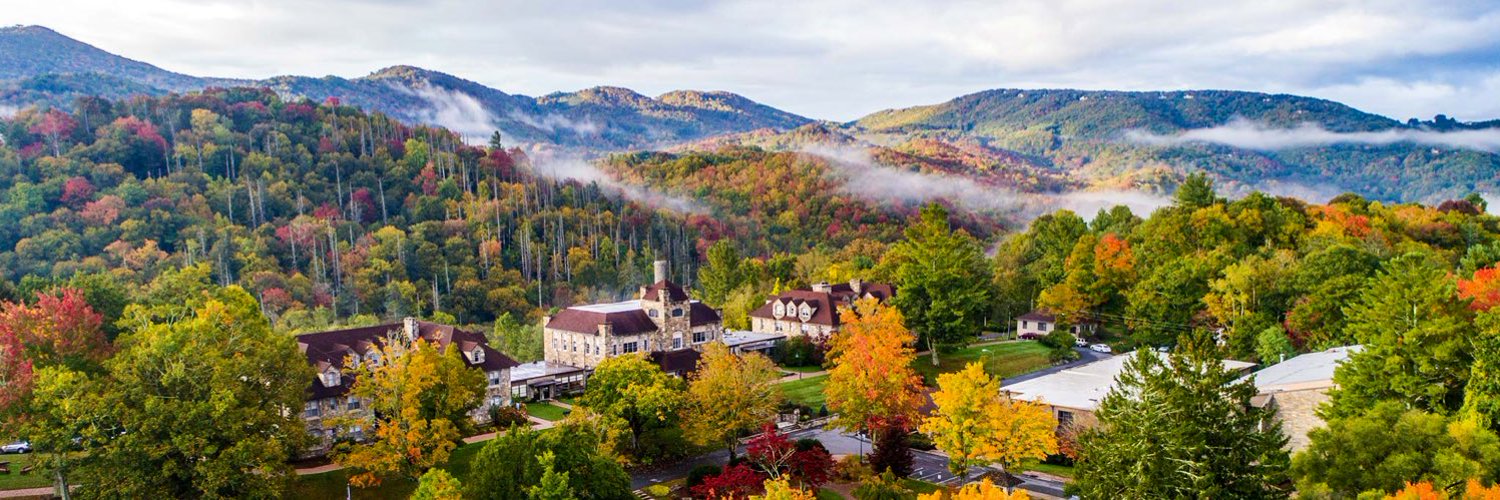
(28,493)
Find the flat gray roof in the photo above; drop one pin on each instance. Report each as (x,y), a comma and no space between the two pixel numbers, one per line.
(1082,387)
(1313,370)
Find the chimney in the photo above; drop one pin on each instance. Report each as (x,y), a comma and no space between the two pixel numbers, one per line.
(409,328)
(661,271)
(857,285)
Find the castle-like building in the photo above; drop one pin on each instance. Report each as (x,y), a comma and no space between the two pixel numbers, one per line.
(663,319)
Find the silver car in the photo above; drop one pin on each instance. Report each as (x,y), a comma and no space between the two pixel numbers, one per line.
(1101,348)
(16,447)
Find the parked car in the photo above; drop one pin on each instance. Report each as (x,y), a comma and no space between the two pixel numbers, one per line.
(1162,349)
(1080,342)
(16,447)
(1101,348)
(1030,336)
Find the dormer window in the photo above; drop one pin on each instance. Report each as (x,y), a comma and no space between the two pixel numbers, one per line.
(476,356)
(331,378)
(778,310)
(805,312)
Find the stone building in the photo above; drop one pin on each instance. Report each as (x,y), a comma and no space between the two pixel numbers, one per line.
(662,319)
(331,352)
(1295,388)
(813,311)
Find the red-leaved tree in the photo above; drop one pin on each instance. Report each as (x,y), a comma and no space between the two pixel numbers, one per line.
(737,482)
(1483,289)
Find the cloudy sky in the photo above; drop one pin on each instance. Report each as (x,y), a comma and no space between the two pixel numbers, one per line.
(834,59)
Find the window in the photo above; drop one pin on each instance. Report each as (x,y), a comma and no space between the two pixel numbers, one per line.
(354,404)
(629,347)
(331,378)
(478,355)
(699,337)
(310,409)
(612,350)
(494,378)
(651,313)
(1025,324)
(677,313)
(1064,418)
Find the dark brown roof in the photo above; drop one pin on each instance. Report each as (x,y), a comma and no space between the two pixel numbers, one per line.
(1037,315)
(674,291)
(680,362)
(330,348)
(584,321)
(825,304)
(700,314)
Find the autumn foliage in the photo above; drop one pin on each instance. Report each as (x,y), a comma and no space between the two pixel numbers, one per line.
(1483,290)
(871,376)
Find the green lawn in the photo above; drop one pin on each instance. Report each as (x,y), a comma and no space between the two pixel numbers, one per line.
(801,369)
(919,486)
(14,480)
(827,494)
(545,411)
(1056,470)
(808,391)
(1006,359)
(331,484)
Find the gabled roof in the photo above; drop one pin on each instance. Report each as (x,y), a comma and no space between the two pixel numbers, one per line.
(700,314)
(680,362)
(331,348)
(825,304)
(674,291)
(626,318)
(1045,316)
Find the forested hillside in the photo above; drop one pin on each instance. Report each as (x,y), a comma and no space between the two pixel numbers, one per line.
(1087,135)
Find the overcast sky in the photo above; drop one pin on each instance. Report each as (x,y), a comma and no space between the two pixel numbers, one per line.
(834,59)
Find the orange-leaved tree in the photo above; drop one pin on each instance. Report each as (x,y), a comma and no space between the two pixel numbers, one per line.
(871,377)
(1483,289)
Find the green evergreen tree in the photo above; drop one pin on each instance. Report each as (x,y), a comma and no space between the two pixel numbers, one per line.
(1482,394)
(941,285)
(722,273)
(1181,427)
(1416,335)
(1196,191)
(1383,448)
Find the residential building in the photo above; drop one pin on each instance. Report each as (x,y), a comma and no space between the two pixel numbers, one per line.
(1295,388)
(814,311)
(330,353)
(1073,394)
(1040,322)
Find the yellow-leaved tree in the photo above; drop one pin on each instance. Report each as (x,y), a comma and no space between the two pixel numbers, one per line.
(871,378)
(985,490)
(780,489)
(416,405)
(729,395)
(975,425)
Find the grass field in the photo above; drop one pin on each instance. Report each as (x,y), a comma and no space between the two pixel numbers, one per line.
(808,391)
(331,484)
(919,486)
(1056,470)
(1006,359)
(14,480)
(800,369)
(545,411)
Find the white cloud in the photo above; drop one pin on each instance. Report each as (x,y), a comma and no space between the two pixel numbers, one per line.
(453,110)
(585,172)
(7,111)
(864,177)
(551,122)
(1250,135)
(835,59)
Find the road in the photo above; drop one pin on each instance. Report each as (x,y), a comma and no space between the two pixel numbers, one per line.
(930,467)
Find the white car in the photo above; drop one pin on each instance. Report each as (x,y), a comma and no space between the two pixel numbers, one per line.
(1101,348)
(1080,342)
(16,447)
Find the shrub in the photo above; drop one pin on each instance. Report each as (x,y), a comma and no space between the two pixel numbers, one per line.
(851,469)
(503,417)
(659,490)
(698,474)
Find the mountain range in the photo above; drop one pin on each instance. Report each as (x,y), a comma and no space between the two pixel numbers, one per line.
(1025,139)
